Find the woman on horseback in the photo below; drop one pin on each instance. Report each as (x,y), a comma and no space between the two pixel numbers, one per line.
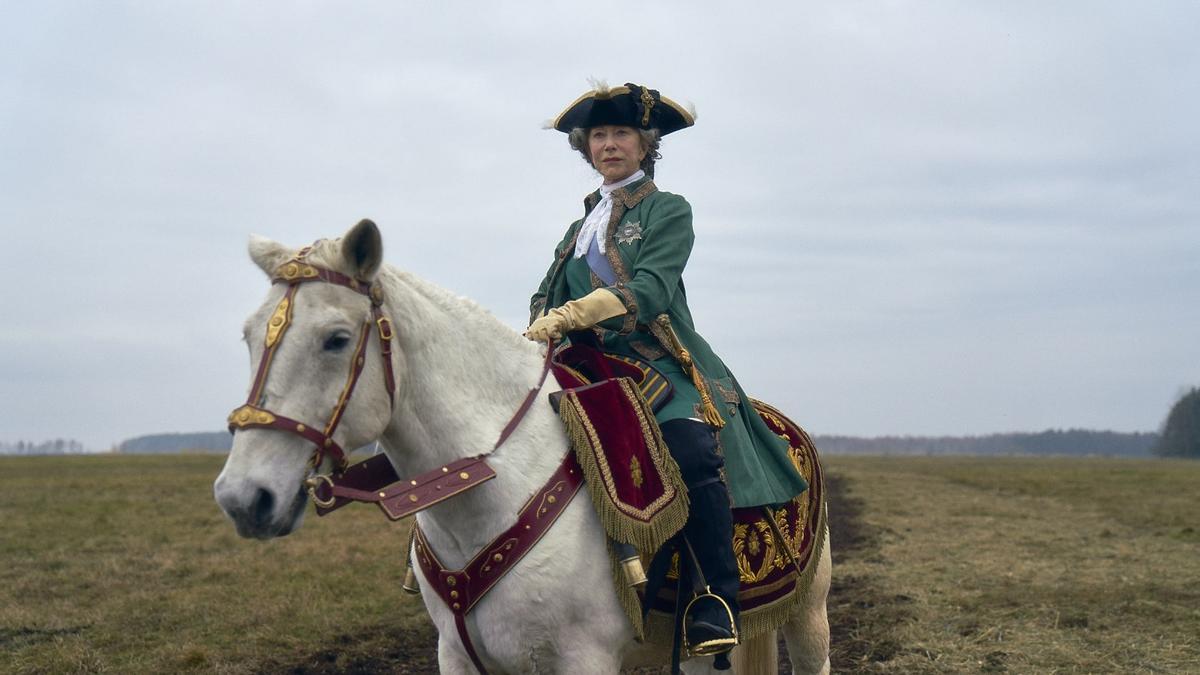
(618,271)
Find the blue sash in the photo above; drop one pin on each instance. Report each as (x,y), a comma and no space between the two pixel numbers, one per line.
(600,265)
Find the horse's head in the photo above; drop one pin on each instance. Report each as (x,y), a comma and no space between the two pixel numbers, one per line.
(311,345)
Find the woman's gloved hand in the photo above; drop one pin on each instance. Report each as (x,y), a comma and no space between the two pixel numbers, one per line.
(585,312)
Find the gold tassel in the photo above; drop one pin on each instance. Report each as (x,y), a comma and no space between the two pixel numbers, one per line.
(708,409)
(711,416)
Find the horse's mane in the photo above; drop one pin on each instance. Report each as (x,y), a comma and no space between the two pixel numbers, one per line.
(398,283)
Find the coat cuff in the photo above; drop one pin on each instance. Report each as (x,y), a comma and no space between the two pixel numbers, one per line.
(631,308)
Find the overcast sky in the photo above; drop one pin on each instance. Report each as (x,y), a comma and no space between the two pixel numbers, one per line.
(911,217)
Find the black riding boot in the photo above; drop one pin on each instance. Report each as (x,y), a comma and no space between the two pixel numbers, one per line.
(709,530)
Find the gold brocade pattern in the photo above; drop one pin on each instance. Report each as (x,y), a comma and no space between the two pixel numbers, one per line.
(746,550)
(776,557)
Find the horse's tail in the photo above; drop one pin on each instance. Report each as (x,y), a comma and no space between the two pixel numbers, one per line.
(757,656)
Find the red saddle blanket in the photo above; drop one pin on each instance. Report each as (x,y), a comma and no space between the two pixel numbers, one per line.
(634,483)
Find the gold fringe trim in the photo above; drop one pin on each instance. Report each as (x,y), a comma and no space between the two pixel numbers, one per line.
(626,595)
(642,535)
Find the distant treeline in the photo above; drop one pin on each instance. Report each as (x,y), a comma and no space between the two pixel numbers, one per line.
(215,441)
(58,446)
(1078,442)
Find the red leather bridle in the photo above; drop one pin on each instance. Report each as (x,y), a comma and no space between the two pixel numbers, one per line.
(253,415)
(329,492)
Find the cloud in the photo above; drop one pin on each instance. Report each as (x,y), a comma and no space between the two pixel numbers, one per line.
(937,218)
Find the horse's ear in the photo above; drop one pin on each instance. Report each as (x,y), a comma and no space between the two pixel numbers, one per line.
(362,249)
(268,254)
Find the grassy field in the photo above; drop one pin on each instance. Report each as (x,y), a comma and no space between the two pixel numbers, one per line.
(1024,565)
(124,564)
(942,565)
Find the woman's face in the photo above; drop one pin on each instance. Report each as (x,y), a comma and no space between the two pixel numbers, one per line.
(616,152)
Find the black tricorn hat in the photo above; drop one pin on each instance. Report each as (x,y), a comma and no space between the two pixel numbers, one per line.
(631,105)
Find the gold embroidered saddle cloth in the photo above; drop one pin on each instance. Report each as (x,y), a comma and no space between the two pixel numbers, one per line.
(776,551)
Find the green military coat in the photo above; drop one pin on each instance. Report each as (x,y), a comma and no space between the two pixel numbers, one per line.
(648,242)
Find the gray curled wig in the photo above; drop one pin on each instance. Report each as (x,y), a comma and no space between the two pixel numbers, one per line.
(650,142)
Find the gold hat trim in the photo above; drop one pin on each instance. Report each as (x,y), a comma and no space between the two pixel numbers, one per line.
(691,119)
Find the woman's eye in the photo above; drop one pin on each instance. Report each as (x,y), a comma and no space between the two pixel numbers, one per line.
(337,342)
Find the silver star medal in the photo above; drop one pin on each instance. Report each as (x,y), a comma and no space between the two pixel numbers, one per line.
(628,232)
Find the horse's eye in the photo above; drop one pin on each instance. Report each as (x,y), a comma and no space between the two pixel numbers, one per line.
(337,342)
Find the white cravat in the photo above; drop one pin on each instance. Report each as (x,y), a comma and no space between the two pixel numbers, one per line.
(596,224)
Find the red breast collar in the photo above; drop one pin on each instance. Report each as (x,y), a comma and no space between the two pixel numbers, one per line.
(462,589)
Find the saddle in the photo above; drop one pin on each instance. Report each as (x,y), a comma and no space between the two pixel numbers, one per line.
(607,404)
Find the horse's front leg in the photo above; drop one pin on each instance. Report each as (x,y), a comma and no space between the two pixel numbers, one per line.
(451,658)
(586,657)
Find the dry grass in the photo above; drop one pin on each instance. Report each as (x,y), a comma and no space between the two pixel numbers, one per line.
(124,564)
(1018,565)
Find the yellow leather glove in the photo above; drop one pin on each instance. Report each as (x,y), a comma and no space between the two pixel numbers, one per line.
(585,312)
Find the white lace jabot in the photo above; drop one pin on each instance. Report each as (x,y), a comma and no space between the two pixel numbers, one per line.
(596,224)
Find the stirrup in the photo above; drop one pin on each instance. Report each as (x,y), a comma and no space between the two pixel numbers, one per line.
(715,646)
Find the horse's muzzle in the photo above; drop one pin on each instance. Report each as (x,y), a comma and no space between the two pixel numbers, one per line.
(257,512)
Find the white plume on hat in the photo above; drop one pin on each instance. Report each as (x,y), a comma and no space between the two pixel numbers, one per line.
(599,86)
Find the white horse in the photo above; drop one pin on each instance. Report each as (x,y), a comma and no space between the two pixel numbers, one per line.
(460,373)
